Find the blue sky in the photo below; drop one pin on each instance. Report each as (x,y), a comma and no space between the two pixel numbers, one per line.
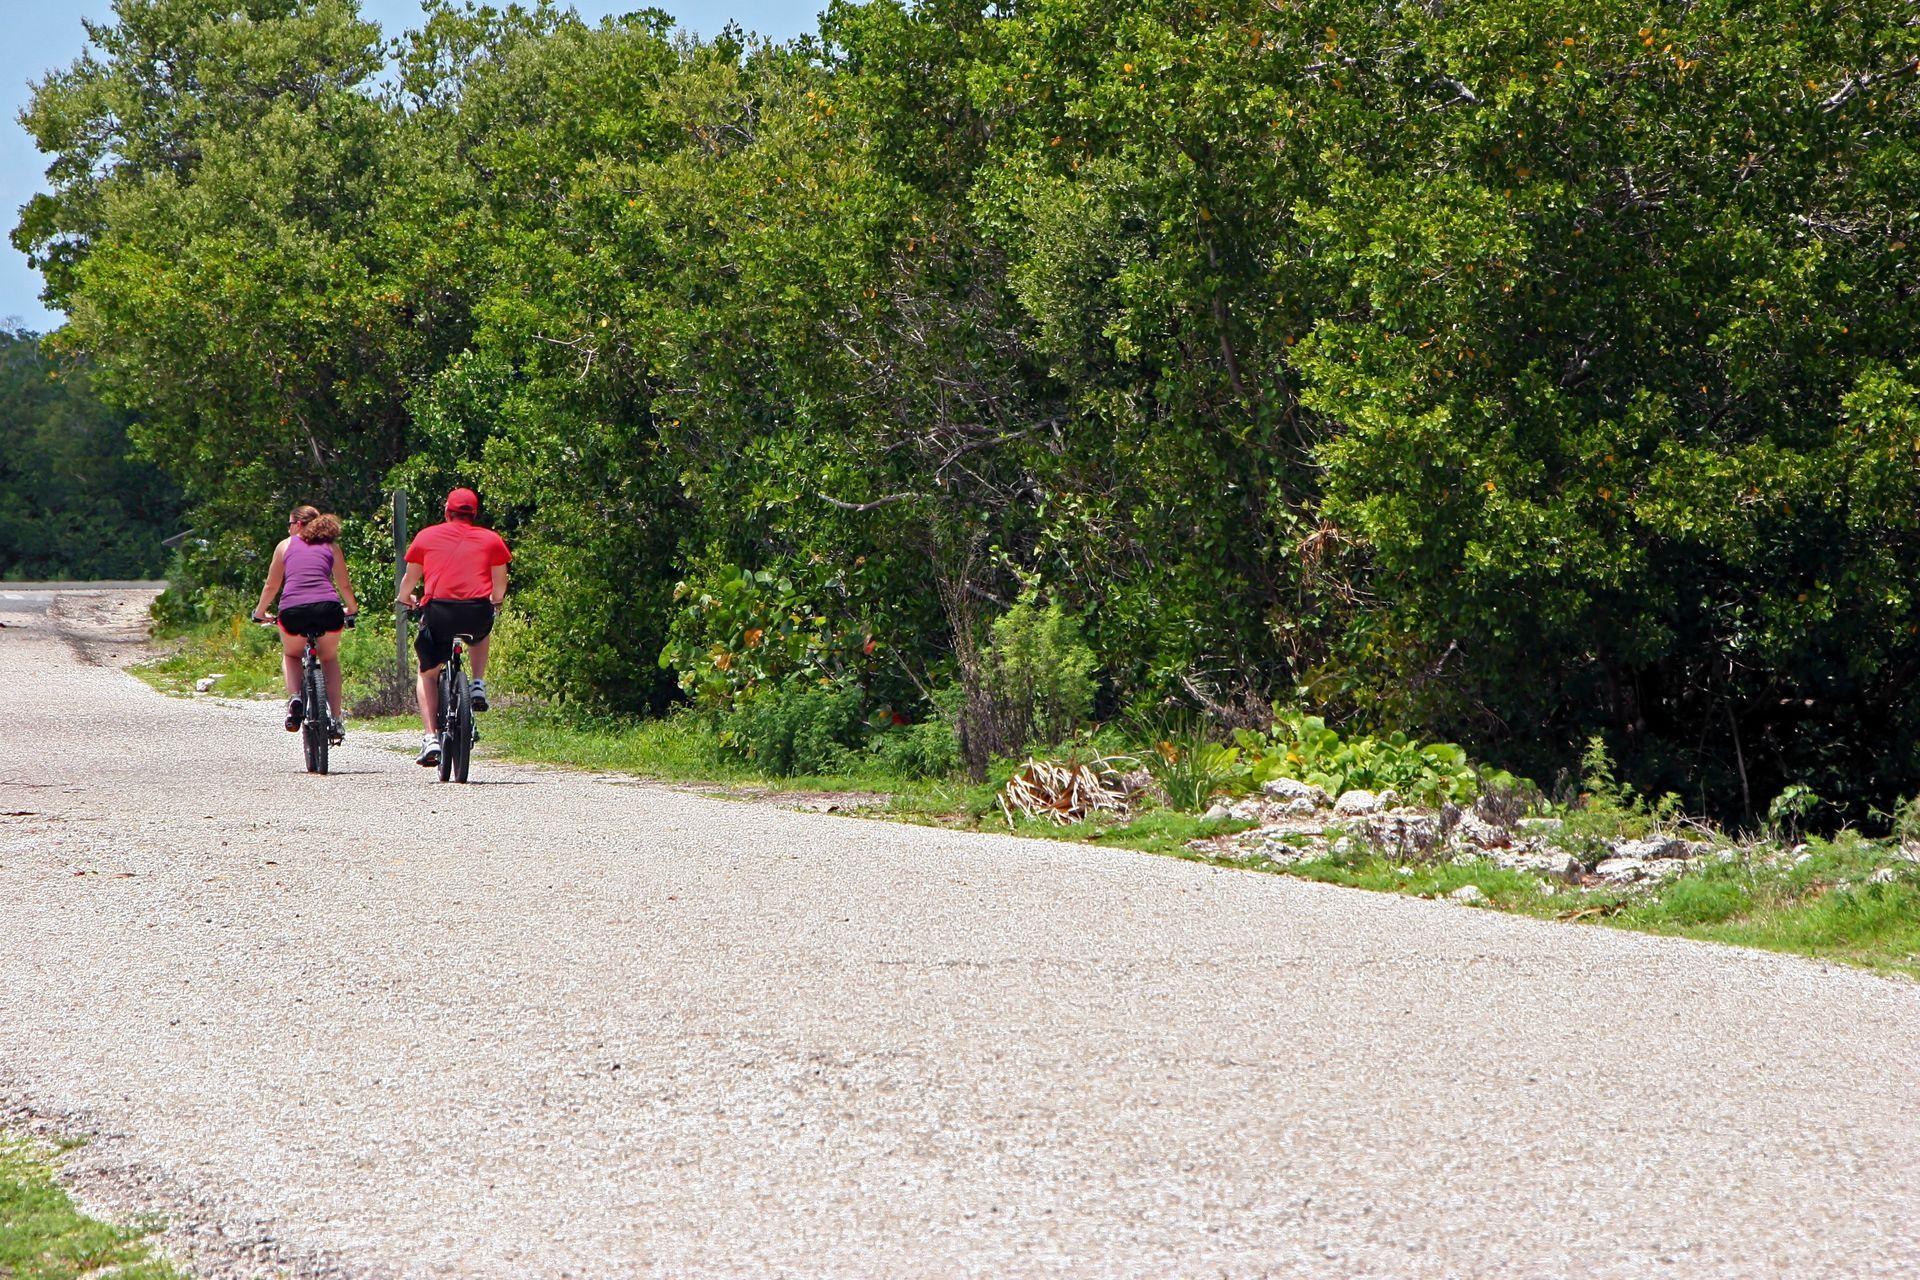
(43,35)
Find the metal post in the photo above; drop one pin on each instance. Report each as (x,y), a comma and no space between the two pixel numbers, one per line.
(399,572)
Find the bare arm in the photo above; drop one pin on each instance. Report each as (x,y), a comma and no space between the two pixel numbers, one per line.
(499,592)
(276,576)
(403,594)
(341,583)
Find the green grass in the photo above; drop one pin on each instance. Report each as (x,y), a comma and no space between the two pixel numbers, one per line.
(1823,907)
(247,659)
(1826,906)
(42,1235)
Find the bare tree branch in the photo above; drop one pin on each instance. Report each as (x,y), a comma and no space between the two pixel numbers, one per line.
(875,505)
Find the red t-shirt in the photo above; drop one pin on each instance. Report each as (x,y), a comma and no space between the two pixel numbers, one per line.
(457,560)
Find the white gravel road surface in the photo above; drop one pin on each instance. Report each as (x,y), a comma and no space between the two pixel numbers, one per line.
(553,1024)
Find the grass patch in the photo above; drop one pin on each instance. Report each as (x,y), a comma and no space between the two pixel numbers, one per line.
(246,657)
(44,1237)
(1826,905)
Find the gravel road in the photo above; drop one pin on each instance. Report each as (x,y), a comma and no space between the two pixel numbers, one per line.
(560,1025)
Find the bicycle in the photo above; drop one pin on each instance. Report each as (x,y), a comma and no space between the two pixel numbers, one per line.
(455,730)
(316,727)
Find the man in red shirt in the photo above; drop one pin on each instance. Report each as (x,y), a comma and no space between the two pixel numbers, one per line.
(464,569)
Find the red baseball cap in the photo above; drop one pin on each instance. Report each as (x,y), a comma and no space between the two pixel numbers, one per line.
(465,500)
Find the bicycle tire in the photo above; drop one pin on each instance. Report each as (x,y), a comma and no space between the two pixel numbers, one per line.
(447,674)
(313,727)
(462,726)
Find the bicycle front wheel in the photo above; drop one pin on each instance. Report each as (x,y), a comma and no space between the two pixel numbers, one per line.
(313,729)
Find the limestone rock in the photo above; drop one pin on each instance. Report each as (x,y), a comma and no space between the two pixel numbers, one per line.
(1356,803)
(1477,831)
(1292,791)
(1649,848)
(1621,870)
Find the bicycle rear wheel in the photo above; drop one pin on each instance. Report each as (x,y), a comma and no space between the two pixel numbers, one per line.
(313,728)
(462,728)
(447,679)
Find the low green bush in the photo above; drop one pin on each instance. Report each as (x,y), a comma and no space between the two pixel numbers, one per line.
(1191,768)
(1303,747)
(792,728)
(929,749)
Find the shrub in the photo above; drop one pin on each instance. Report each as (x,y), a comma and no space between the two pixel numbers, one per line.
(738,631)
(793,728)
(929,749)
(1189,766)
(1033,684)
(1303,747)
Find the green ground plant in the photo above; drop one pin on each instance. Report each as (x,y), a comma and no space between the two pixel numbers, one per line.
(1190,765)
(1303,747)
(43,1236)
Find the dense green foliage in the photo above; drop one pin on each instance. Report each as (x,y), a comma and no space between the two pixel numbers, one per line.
(72,504)
(1508,372)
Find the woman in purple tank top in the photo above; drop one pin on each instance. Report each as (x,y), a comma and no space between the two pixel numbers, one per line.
(309,574)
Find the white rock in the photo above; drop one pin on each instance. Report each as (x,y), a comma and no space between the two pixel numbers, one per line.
(1649,848)
(1555,864)
(1403,828)
(1248,810)
(1344,846)
(1353,803)
(1217,813)
(1304,807)
(1467,894)
(1540,826)
(1475,830)
(1885,875)
(1621,870)
(206,682)
(1389,799)
(1291,789)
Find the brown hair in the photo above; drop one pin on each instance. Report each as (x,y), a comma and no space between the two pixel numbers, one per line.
(315,527)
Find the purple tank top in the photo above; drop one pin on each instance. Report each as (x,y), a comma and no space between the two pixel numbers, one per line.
(309,573)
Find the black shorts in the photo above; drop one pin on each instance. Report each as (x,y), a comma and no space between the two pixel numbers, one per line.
(318,618)
(444,620)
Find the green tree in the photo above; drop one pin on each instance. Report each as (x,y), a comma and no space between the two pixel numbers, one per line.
(72,505)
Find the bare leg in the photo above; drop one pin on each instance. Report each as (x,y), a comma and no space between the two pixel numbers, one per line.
(428,687)
(330,667)
(293,650)
(477,657)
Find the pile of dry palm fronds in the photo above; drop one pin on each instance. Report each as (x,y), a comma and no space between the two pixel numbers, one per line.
(1068,791)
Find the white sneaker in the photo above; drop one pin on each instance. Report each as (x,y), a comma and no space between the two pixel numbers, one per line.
(429,754)
(477,694)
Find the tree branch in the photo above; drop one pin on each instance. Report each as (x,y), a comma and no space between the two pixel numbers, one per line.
(875,505)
